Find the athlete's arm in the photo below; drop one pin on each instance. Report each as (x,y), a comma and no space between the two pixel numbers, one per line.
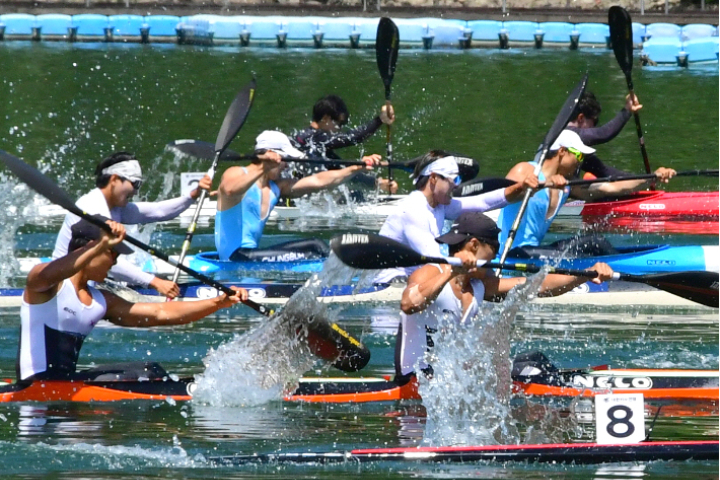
(121,312)
(323,180)
(605,133)
(424,285)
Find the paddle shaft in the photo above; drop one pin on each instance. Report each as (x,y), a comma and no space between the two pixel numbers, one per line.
(647,176)
(232,123)
(193,224)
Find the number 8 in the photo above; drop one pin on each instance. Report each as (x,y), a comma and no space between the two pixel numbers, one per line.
(625,420)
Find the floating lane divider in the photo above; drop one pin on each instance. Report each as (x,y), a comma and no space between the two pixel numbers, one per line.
(693,43)
(329,342)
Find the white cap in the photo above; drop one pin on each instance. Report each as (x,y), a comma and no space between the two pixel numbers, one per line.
(277,142)
(570,139)
(445,166)
(129,169)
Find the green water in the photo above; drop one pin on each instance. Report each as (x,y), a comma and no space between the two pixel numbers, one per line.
(66,106)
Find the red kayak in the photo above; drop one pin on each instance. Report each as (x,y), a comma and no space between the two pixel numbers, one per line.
(650,204)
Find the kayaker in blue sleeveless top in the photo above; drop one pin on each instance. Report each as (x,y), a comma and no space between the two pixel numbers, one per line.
(562,164)
(247,195)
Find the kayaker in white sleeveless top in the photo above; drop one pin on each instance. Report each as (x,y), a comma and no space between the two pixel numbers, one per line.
(59,308)
(434,291)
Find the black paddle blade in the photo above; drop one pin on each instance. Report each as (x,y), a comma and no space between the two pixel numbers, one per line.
(621,37)
(202,150)
(481,185)
(235,116)
(40,183)
(374,252)
(332,343)
(387,44)
(700,287)
(566,112)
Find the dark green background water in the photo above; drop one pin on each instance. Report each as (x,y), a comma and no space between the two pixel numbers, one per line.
(70,105)
(66,106)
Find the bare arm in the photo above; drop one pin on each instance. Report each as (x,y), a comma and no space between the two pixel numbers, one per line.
(323,180)
(121,312)
(424,285)
(235,182)
(553,285)
(43,277)
(599,190)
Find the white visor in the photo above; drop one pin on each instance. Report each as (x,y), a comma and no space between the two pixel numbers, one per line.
(129,169)
(445,166)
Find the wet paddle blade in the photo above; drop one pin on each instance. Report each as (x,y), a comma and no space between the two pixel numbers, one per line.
(621,37)
(202,150)
(565,114)
(481,185)
(235,116)
(700,287)
(374,252)
(387,44)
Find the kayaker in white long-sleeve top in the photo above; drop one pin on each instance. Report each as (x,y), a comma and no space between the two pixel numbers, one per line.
(118,179)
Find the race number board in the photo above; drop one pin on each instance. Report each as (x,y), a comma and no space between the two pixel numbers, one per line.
(189,181)
(620,418)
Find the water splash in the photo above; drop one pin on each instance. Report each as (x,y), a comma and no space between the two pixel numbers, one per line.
(259,365)
(467,400)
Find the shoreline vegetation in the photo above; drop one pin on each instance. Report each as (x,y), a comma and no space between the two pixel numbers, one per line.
(574,11)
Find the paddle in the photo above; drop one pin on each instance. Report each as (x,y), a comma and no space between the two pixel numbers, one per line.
(468,167)
(647,176)
(482,185)
(232,123)
(387,43)
(375,252)
(557,127)
(328,342)
(622,42)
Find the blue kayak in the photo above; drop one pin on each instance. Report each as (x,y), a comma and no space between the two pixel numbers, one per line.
(641,260)
(209,264)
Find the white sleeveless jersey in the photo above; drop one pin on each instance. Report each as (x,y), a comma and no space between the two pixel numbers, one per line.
(64,313)
(413,336)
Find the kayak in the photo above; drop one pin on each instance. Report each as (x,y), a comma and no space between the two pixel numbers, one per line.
(652,203)
(606,296)
(533,375)
(640,259)
(576,453)
(635,260)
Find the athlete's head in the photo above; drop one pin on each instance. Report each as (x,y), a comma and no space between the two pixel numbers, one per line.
(587,111)
(570,151)
(436,173)
(475,231)
(330,112)
(120,176)
(279,143)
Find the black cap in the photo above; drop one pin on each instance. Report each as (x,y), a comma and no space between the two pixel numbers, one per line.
(84,231)
(471,225)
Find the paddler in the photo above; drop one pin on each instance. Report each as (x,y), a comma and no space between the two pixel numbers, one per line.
(441,291)
(118,179)
(60,307)
(562,162)
(584,122)
(419,219)
(247,196)
(325,135)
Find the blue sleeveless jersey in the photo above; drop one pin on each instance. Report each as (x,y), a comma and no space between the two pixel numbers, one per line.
(241,225)
(534,225)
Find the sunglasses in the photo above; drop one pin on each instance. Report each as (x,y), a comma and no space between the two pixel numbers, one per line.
(456,180)
(136,184)
(578,154)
